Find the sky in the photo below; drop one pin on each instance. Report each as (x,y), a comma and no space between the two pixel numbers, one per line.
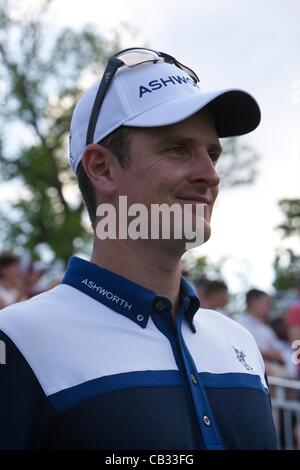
(229,43)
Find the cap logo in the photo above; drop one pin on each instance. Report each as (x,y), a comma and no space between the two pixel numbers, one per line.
(160,83)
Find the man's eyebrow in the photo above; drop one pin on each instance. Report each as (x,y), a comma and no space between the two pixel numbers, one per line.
(173,140)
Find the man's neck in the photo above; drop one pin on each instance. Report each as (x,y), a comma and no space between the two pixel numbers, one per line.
(146,264)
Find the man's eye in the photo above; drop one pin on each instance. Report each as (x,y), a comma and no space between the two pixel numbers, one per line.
(177,149)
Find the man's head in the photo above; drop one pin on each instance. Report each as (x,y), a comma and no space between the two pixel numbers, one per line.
(200,284)
(158,134)
(118,144)
(170,164)
(9,267)
(215,295)
(258,304)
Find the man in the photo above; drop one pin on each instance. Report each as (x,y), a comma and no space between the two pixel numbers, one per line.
(293,322)
(215,296)
(11,285)
(256,321)
(200,284)
(119,356)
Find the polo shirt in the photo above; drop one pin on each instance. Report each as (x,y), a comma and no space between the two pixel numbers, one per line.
(99,363)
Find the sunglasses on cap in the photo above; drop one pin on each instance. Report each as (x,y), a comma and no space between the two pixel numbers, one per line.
(130,58)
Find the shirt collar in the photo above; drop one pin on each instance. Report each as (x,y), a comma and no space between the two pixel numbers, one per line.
(124,296)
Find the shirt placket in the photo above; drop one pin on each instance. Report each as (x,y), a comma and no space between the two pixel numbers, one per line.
(172,330)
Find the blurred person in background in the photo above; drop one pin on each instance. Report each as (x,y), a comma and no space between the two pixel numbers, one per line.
(292,322)
(11,282)
(256,320)
(200,284)
(296,296)
(32,276)
(215,296)
(280,327)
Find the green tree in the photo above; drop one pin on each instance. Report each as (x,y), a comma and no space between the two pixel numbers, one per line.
(44,73)
(197,266)
(43,76)
(287,260)
(239,163)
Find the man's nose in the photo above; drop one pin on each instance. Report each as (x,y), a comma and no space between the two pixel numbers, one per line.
(204,171)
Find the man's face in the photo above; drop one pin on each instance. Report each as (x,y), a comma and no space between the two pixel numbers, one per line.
(173,164)
(12,272)
(263,306)
(221,298)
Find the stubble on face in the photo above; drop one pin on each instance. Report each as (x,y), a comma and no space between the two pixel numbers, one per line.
(174,164)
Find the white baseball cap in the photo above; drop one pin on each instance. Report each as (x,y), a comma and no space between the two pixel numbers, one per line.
(158,94)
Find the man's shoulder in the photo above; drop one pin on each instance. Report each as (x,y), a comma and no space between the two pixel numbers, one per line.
(46,331)
(42,304)
(221,337)
(40,315)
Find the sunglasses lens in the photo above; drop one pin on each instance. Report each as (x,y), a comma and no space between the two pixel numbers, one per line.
(190,73)
(136,57)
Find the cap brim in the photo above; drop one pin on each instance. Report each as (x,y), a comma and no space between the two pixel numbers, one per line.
(235,112)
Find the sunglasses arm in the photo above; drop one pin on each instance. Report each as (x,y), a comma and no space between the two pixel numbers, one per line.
(113,64)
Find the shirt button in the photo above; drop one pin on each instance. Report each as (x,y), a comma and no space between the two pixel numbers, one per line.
(159,305)
(206,420)
(140,317)
(193,378)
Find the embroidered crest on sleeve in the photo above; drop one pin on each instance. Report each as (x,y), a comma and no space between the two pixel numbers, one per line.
(241,357)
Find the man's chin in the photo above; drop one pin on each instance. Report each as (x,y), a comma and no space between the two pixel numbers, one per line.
(190,240)
(207,230)
(200,235)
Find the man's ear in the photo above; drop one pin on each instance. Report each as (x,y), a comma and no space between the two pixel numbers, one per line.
(99,164)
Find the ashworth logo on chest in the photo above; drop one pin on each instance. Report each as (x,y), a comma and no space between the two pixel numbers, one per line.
(160,83)
(106,293)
